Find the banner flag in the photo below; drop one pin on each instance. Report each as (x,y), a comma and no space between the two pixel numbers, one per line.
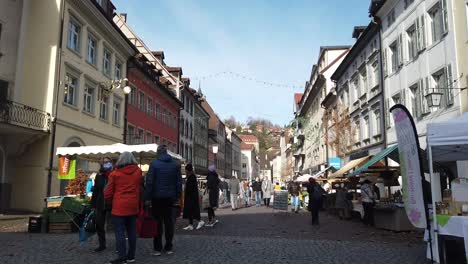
(67,168)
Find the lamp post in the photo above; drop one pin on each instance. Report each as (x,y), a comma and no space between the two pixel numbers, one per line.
(215,152)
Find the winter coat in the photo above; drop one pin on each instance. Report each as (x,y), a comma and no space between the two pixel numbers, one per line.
(266,189)
(97,200)
(124,189)
(257,186)
(191,198)
(340,200)
(164,180)
(212,184)
(294,188)
(315,202)
(234,186)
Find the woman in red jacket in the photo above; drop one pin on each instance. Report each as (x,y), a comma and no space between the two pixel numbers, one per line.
(123,190)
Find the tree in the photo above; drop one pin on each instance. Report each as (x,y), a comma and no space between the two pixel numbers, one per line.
(339,130)
(78,185)
(232,123)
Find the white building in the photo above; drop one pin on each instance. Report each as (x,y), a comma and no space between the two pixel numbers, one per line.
(250,167)
(419,58)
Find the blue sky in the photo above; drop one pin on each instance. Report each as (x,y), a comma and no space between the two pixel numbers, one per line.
(274,41)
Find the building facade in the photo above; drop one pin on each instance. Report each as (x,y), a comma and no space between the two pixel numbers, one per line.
(236,152)
(460,9)
(187,122)
(358,100)
(200,140)
(228,159)
(251,140)
(250,167)
(310,150)
(419,60)
(217,132)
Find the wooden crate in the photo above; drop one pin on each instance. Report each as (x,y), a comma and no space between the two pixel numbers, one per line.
(59,228)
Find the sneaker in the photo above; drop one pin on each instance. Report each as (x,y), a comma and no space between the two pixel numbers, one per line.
(216,221)
(210,224)
(118,261)
(169,252)
(188,228)
(130,260)
(200,224)
(156,253)
(99,249)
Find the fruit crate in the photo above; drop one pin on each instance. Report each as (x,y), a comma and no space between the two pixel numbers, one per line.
(52,202)
(60,228)
(72,205)
(59,216)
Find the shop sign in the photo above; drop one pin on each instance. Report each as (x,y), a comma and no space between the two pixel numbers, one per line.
(67,168)
(408,148)
(335,163)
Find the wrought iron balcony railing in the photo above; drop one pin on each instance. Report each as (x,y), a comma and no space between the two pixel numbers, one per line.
(24,116)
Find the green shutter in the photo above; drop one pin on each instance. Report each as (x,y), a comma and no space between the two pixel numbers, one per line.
(445,16)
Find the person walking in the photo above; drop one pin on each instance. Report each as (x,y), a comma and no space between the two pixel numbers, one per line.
(98,203)
(124,190)
(223,187)
(368,202)
(234,193)
(247,193)
(340,201)
(212,185)
(266,189)
(257,188)
(277,187)
(191,199)
(316,193)
(163,188)
(293,189)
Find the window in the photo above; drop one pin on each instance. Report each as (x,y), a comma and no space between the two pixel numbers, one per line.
(133,96)
(169,119)
(442,80)
(140,136)
(88,99)
(375,74)
(181,127)
(415,97)
(106,63)
(244,165)
(141,101)
(156,139)
(391,18)
(118,71)
(363,81)
(346,96)
(412,43)
(71,86)
(103,108)
(438,26)
(164,116)
(365,132)
(357,132)
(116,111)
(158,111)
(131,135)
(92,48)
(149,106)
(355,89)
(394,56)
(149,138)
(74,32)
(377,122)
(396,99)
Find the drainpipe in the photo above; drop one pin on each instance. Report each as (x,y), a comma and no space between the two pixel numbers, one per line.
(55,116)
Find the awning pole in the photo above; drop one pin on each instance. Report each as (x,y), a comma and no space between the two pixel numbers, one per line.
(434,211)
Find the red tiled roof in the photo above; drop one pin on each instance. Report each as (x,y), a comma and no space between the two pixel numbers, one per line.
(298,97)
(245,146)
(250,138)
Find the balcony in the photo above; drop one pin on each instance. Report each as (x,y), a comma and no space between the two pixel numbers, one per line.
(300,134)
(24,116)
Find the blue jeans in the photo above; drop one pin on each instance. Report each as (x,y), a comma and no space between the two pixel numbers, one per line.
(122,224)
(258,198)
(295,202)
(247,197)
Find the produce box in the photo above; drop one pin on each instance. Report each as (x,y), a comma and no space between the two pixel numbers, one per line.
(73,205)
(59,216)
(55,201)
(59,228)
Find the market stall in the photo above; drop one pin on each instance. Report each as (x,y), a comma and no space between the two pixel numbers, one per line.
(448,142)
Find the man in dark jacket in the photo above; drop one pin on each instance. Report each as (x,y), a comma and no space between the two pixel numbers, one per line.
(163,187)
(98,202)
(257,188)
(293,189)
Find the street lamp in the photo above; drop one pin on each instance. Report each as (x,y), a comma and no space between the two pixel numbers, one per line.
(433,98)
(215,148)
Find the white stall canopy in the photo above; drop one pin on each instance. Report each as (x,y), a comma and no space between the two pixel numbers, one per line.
(449,140)
(144,153)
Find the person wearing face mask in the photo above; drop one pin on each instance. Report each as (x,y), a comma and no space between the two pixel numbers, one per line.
(98,202)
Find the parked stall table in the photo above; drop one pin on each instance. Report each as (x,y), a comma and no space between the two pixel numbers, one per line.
(392,217)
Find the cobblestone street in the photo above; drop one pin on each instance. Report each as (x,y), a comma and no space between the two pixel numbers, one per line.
(251,235)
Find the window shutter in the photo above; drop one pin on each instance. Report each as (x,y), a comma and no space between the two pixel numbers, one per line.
(444,16)
(421,33)
(387,113)
(384,64)
(449,91)
(424,89)
(400,50)
(403,96)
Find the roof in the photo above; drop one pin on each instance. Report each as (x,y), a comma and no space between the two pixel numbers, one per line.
(174,69)
(358,30)
(248,138)
(375,6)
(158,54)
(245,146)
(298,97)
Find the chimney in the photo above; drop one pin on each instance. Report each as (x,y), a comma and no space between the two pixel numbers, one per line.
(124,17)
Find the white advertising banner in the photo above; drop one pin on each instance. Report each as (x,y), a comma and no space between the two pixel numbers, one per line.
(408,148)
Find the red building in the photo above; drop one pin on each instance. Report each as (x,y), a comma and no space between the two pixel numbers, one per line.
(152,108)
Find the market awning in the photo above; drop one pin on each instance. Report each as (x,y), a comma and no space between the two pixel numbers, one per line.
(376,158)
(305,177)
(350,165)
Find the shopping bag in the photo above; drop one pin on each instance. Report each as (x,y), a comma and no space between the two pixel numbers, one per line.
(146,224)
(88,228)
(205,200)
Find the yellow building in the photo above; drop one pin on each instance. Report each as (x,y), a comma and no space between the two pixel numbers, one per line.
(68,51)
(461,35)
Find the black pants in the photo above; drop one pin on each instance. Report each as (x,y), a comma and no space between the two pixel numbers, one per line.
(211,214)
(191,220)
(100,226)
(266,201)
(315,206)
(368,213)
(163,213)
